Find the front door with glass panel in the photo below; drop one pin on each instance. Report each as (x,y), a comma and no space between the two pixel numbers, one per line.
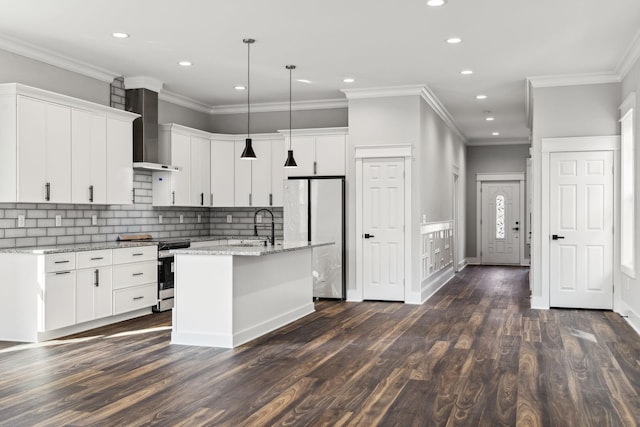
(500,222)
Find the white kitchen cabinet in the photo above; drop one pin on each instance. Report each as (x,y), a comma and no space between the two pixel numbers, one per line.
(119,164)
(89,157)
(59,300)
(135,278)
(200,171)
(222,171)
(94,291)
(44,151)
(320,152)
(40,137)
(254,179)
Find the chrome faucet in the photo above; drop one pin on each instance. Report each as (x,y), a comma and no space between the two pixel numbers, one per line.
(273,227)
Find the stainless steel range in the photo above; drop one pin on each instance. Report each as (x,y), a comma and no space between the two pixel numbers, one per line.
(166,283)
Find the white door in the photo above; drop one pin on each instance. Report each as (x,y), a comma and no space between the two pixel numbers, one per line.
(500,222)
(581,227)
(383,228)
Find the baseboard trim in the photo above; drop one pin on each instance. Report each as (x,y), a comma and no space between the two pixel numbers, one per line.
(539,303)
(436,283)
(474,261)
(631,317)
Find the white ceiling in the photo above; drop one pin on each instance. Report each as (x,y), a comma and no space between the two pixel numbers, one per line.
(380,43)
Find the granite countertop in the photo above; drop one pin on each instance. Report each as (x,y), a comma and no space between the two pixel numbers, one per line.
(249,250)
(76,247)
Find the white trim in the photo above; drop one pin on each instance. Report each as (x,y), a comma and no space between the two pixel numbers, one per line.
(516,176)
(628,103)
(380,151)
(472,261)
(315,131)
(493,177)
(570,144)
(266,107)
(383,92)
(573,79)
(581,143)
(631,55)
(56,59)
(143,82)
(496,141)
(375,152)
(184,101)
(432,101)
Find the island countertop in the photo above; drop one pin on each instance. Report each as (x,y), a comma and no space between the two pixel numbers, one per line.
(249,249)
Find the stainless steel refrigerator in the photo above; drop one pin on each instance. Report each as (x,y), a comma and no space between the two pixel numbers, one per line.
(314,210)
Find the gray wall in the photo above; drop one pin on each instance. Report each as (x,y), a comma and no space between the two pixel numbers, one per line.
(488,159)
(273,121)
(19,69)
(172,113)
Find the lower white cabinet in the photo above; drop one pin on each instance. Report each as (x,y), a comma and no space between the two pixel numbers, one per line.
(135,278)
(59,300)
(134,298)
(94,294)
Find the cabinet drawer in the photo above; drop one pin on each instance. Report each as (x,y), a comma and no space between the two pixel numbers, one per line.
(130,299)
(127,275)
(60,262)
(89,259)
(135,254)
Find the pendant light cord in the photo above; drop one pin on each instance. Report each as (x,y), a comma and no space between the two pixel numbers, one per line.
(290,115)
(248,90)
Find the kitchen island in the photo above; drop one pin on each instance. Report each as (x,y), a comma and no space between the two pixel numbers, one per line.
(228,295)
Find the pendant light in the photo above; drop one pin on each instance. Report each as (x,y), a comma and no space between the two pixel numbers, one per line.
(290,162)
(248,152)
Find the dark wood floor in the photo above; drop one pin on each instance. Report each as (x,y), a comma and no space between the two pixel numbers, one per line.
(472,355)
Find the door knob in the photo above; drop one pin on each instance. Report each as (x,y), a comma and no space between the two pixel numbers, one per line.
(368,236)
(556,237)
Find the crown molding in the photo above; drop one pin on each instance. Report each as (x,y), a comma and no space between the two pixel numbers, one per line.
(630,57)
(573,79)
(143,82)
(267,107)
(383,92)
(56,59)
(432,100)
(497,141)
(184,101)
(317,131)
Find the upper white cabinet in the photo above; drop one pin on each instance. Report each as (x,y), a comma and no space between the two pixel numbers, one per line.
(223,171)
(88,161)
(189,149)
(319,152)
(58,149)
(258,182)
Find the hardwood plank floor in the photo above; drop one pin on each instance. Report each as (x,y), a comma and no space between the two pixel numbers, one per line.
(474,354)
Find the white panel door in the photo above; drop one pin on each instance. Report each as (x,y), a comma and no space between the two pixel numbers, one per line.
(181,181)
(58,146)
(200,169)
(242,174)
(94,294)
(222,172)
(88,157)
(383,228)
(581,227)
(500,222)
(119,164)
(32,156)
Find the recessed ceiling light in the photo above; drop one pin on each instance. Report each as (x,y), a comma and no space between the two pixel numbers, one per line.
(495,133)
(454,40)
(303,81)
(481,96)
(120,35)
(349,80)
(185,63)
(435,3)
(239,87)
(489,119)
(466,72)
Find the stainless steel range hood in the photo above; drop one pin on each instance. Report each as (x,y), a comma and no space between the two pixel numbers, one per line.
(145,129)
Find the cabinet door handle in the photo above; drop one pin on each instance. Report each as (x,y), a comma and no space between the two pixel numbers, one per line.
(61,262)
(201,199)
(97,278)
(250,199)
(63,272)
(315,167)
(97,258)
(137,274)
(137,254)
(91,193)
(211,199)
(270,199)
(133,195)
(173,197)
(47,191)
(137,298)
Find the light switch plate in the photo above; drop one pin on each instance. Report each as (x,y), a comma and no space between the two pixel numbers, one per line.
(58,220)
(94,219)
(199,218)
(259,219)
(229,219)
(20,220)
(159,219)
(181,219)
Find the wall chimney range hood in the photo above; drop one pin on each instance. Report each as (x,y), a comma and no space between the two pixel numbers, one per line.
(142,98)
